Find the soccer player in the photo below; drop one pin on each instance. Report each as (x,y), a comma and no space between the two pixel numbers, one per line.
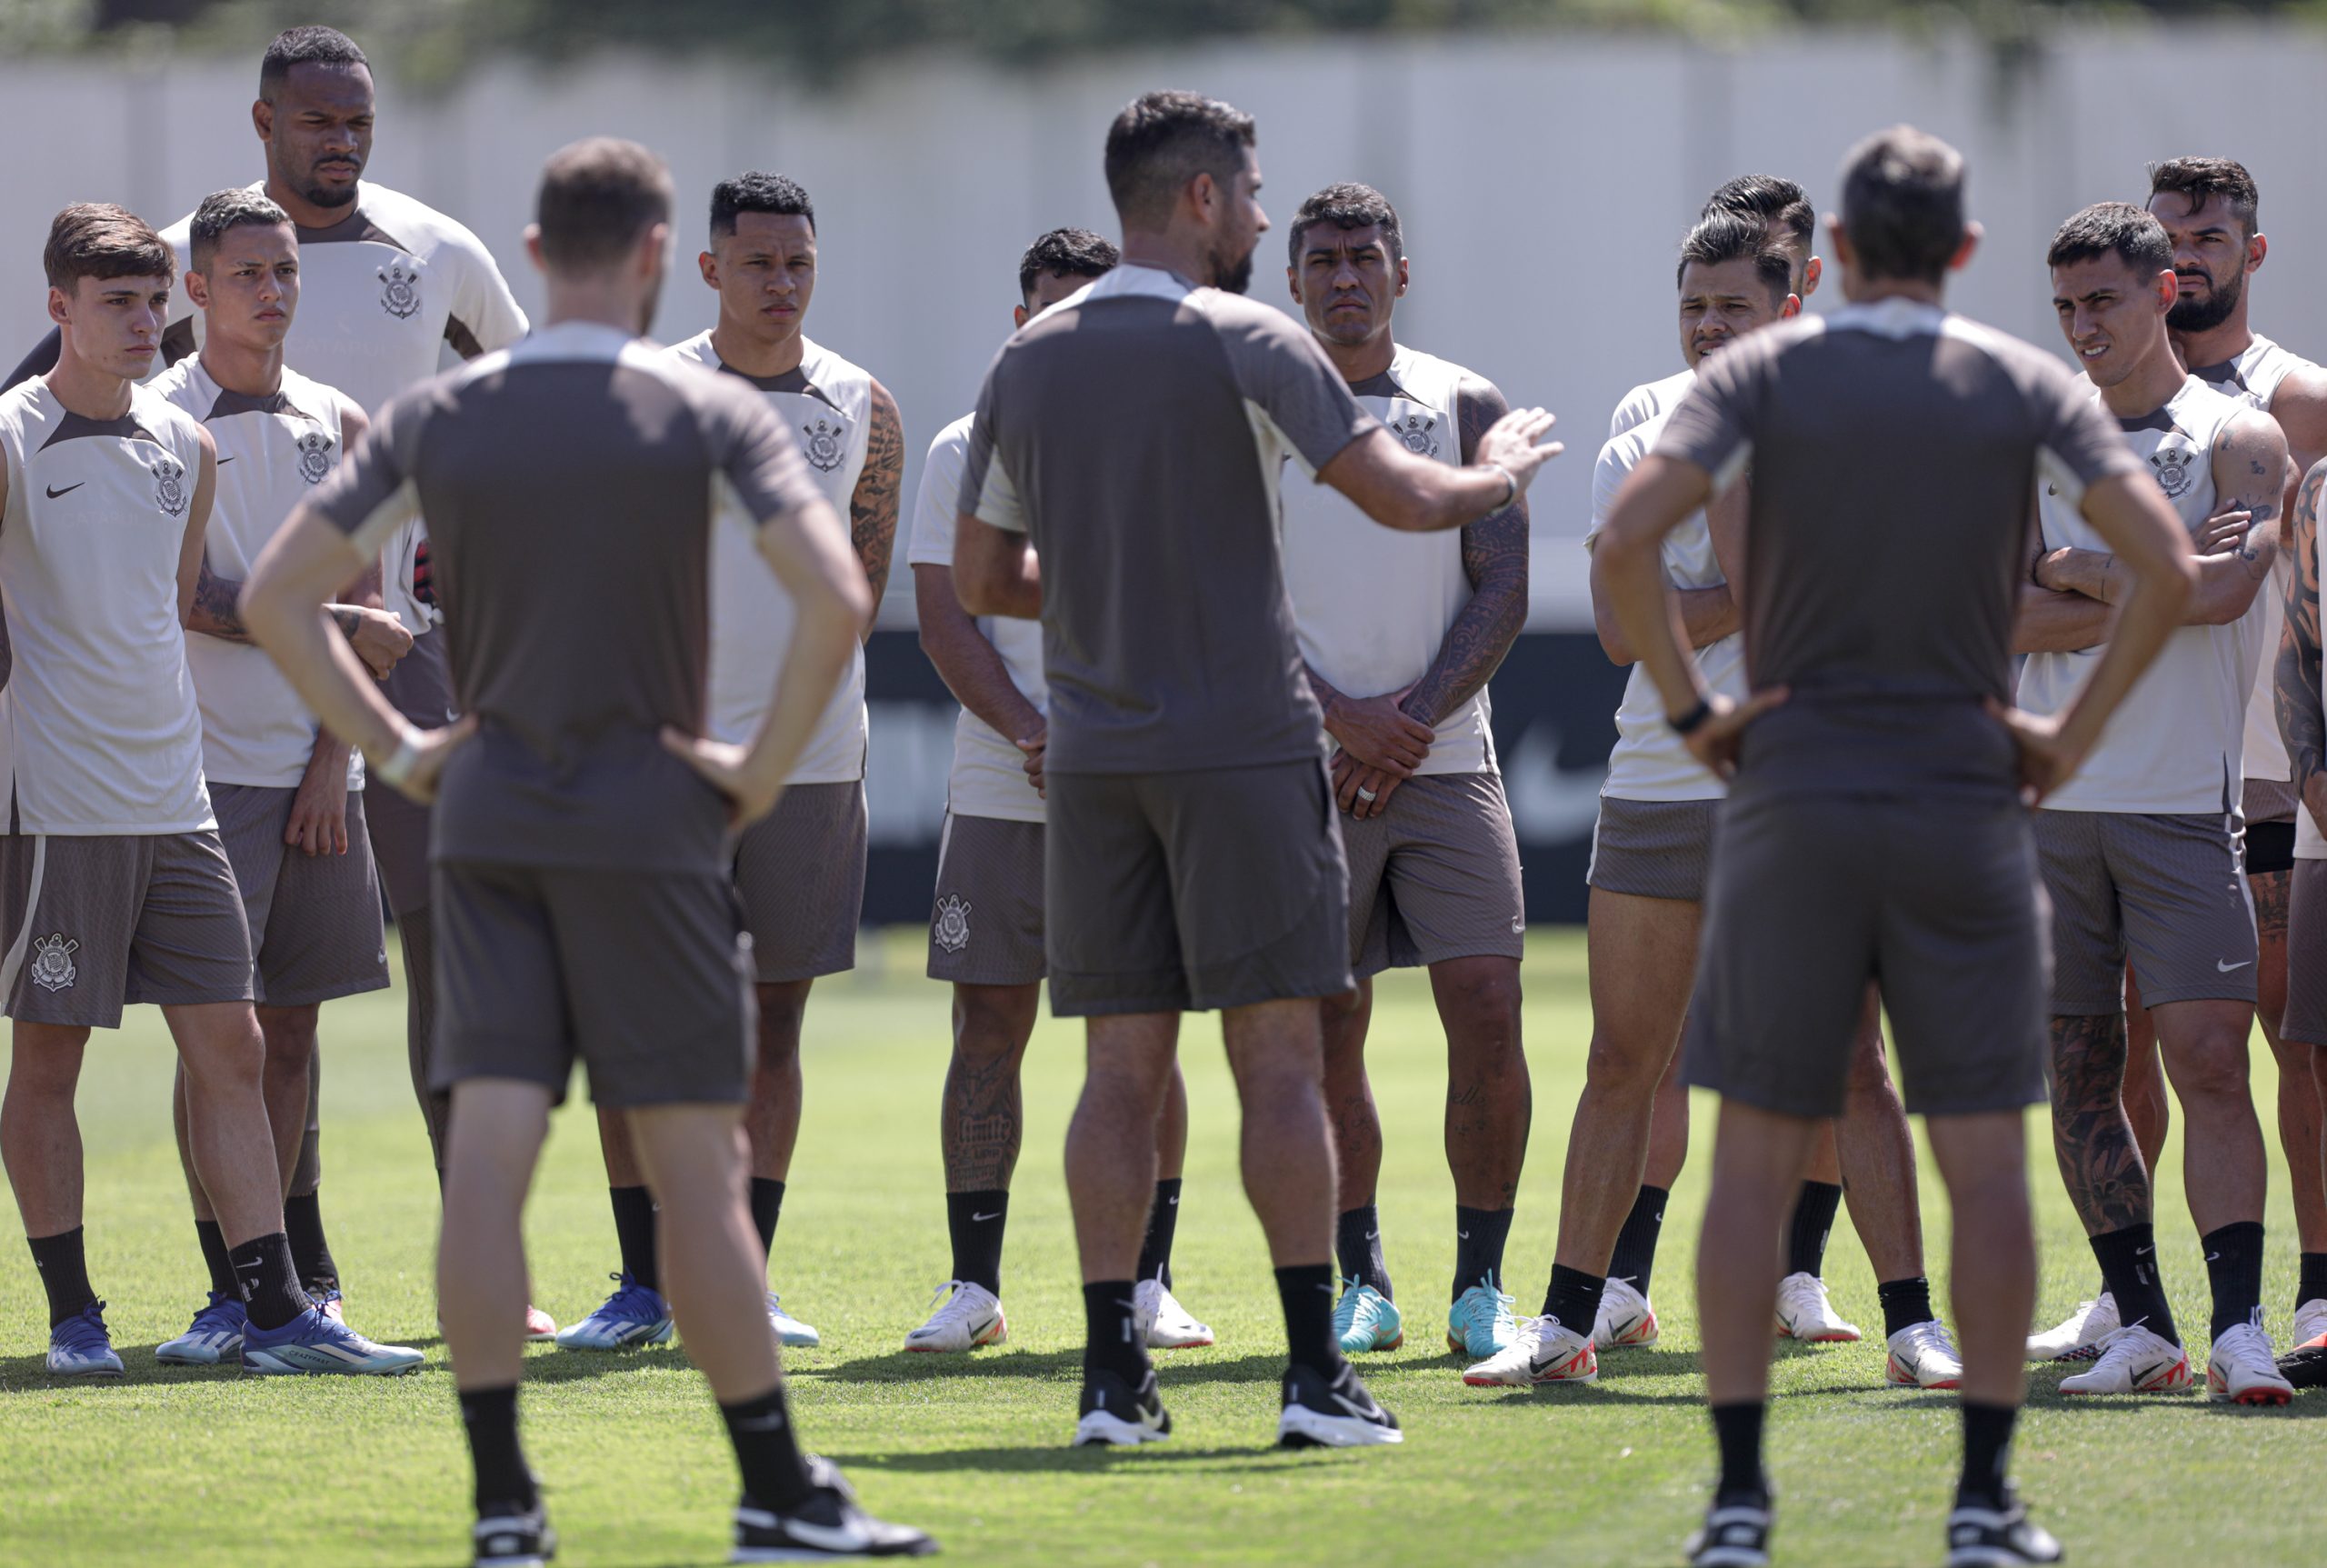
(2301,674)
(985,933)
(1398,634)
(2141,850)
(572,486)
(800,874)
(118,888)
(1651,851)
(1874,825)
(1120,483)
(288,798)
(2209,207)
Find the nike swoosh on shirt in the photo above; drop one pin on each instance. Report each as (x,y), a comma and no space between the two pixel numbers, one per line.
(53,492)
(2226,968)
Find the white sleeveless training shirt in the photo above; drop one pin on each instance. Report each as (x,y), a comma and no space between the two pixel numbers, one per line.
(1651,761)
(751,615)
(273,452)
(99,733)
(1371,605)
(2174,743)
(987,778)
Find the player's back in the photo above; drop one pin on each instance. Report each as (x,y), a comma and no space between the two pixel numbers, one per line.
(1142,424)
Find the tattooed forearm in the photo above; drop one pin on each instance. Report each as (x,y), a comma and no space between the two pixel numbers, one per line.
(2099,1161)
(216,610)
(983,1119)
(873,509)
(1494,558)
(2296,682)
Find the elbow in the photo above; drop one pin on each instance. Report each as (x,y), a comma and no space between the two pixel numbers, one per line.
(1612,639)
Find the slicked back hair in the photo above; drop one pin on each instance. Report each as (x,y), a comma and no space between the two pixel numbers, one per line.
(1778,202)
(96,239)
(1069,253)
(757,192)
(1902,205)
(1161,141)
(1347,206)
(597,196)
(2135,237)
(222,211)
(2201,180)
(1723,235)
(304,47)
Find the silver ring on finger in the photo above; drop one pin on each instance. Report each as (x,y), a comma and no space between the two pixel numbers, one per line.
(1365,794)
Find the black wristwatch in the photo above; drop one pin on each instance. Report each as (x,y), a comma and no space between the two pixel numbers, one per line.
(1693,719)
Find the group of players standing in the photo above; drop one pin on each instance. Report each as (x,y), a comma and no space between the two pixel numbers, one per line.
(1209,869)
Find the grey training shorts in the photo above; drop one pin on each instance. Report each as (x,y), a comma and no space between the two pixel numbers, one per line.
(93,924)
(1435,875)
(2306,1017)
(420,688)
(642,975)
(1184,892)
(800,872)
(2167,891)
(1937,898)
(1653,848)
(986,926)
(315,919)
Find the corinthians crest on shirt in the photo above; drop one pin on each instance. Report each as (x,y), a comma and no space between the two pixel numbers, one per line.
(824,442)
(169,486)
(1419,432)
(315,456)
(2174,462)
(400,288)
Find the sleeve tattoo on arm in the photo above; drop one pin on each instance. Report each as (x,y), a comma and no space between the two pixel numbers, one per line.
(2296,682)
(1494,558)
(873,508)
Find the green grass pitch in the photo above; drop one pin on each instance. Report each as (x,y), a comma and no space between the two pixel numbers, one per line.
(181,1467)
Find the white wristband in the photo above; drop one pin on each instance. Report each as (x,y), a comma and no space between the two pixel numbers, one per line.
(397,766)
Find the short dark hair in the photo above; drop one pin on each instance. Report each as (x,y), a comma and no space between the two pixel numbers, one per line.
(99,240)
(597,196)
(304,47)
(1902,205)
(222,211)
(2202,179)
(1161,141)
(1071,253)
(1777,202)
(1347,206)
(1721,235)
(758,193)
(2137,238)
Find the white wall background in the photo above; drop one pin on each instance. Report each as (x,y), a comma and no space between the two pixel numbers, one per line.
(1543,179)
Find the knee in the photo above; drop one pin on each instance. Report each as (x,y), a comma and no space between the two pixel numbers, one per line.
(1624,1069)
(290,1041)
(2213,1068)
(988,1028)
(1478,1000)
(1870,1071)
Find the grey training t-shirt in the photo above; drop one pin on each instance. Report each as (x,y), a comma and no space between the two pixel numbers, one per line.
(1135,431)
(570,485)
(1896,451)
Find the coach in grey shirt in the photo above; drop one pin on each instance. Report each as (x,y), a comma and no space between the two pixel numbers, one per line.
(1129,439)
(1875,830)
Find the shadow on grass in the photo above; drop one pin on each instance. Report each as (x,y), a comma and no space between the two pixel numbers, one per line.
(1222,1459)
(912,1366)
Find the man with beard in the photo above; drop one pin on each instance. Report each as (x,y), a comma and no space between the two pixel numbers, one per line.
(390,285)
(2141,850)
(1398,635)
(1133,437)
(584,835)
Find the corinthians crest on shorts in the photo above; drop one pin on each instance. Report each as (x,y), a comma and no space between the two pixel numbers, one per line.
(1419,432)
(825,443)
(400,288)
(951,930)
(52,965)
(315,456)
(169,486)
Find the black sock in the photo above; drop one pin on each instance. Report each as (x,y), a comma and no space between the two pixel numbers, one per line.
(975,1222)
(2234,1268)
(1110,1338)
(1357,1243)
(1573,1299)
(268,1280)
(1987,1454)
(1634,1259)
(767,1207)
(1479,1236)
(635,1231)
(1905,1302)
(214,1255)
(2127,1260)
(1737,1428)
(303,1220)
(2311,1284)
(504,1483)
(1307,1292)
(774,1474)
(1163,1221)
(64,1273)
(1813,1222)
